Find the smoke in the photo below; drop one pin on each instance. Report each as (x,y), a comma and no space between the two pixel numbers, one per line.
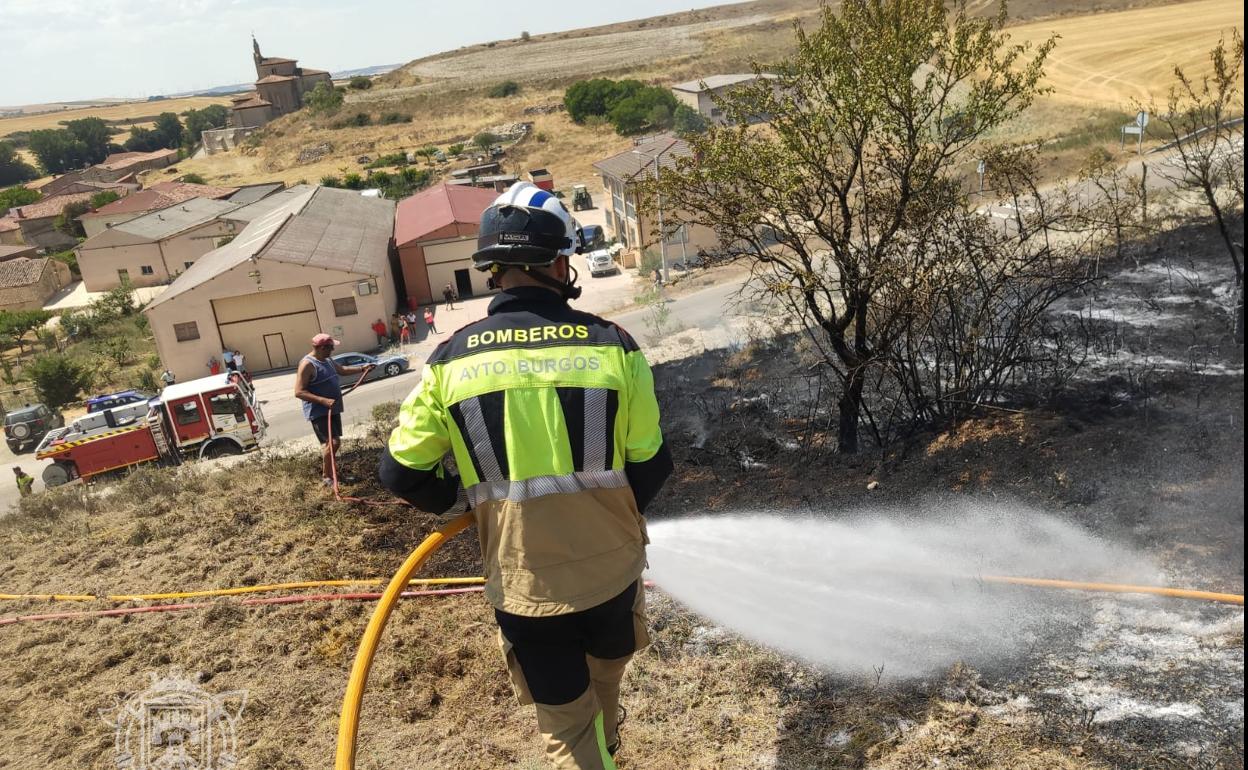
(897,589)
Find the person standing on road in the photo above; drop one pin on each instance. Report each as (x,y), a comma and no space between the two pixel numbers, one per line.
(552,419)
(316,385)
(405,332)
(25,482)
(448,294)
(430,321)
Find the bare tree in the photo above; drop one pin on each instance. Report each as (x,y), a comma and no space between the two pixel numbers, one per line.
(833,202)
(1203,120)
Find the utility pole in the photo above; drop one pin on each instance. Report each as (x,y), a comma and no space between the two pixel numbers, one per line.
(659,199)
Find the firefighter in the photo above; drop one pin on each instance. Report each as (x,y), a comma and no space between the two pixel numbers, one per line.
(316,385)
(25,482)
(551,417)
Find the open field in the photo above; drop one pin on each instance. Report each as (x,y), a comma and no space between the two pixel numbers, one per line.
(117,113)
(1119,59)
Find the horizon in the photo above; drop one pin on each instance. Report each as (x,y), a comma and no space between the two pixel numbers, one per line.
(123,41)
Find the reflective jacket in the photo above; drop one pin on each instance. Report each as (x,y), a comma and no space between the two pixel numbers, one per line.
(552,419)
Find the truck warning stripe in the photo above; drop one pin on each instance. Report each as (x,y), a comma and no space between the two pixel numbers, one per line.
(58,448)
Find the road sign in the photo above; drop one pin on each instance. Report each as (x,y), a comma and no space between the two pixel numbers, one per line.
(1135,129)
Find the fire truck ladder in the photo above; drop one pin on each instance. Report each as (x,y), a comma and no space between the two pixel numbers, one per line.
(168,453)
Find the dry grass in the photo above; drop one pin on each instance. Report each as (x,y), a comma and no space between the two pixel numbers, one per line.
(117,112)
(1117,59)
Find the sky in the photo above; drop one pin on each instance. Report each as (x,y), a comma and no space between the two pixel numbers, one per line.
(63,50)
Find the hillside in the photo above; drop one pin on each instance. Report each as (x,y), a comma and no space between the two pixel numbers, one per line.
(445,94)
(1145,450)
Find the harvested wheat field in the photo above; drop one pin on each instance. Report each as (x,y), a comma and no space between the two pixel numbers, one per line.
(1118,59)
(139,112)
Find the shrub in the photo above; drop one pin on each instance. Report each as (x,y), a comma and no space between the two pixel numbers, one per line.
(358,120)
(687,120)
(117,349)
(116,303)
(504,89)
(455,149)
(70,258)
(323,100)
(193,178)
(391,118)
(58,379)
(17,196)
(524,37)
(147,381)
(598,96)
(360,83)
(331,181)
(103,198)
(353,181)
(391,159)
(67,221)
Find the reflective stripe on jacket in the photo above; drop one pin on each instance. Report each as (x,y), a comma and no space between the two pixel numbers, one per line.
(552,419)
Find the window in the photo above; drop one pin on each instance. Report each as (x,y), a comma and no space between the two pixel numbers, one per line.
(185,332)
(345,306)
(188,412)
(228,403)
(146,270)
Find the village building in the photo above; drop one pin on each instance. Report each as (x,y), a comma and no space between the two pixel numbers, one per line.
(280,86)
(117,170)
(321,262)
(158,196)
(637,230)
(26,283)
(13,251)
(702,94)
(37,221)
(435,232)
(10,231)
(154,248)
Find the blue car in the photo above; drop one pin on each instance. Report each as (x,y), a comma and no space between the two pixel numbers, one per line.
(101,403)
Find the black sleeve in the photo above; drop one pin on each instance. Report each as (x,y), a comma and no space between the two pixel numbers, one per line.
(421,489)
(646,478)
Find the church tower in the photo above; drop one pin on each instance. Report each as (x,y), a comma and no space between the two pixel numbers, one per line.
(255,54)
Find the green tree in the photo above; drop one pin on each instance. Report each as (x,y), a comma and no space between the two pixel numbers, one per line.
(193,178)
(19,323)
(58,379)
(597,96)
(67,221)
(14,170)
(484,140)
(360,83)
(647,109)
(504,89)
(94,134)
(170,130)
(687,120)
(143,140)
(841,204)
(103,198)
(455,149)
(58,150)
(323,100)
(198,121)
(17,196)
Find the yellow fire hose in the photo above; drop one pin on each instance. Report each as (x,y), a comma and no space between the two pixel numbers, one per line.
(1118,588)
(349,719)
(236,591)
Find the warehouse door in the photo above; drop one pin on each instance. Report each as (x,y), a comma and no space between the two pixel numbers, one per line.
(270,328)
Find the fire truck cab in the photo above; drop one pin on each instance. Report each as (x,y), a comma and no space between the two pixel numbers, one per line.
(209,417)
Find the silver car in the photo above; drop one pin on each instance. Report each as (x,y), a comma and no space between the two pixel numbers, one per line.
(384,366)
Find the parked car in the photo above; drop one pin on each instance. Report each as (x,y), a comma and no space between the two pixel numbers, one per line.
(385,366)
(601,262)
(101,403)
(27,426)
(594,237)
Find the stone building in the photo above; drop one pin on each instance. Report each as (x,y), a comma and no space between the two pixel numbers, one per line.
(26,283)
(280,86)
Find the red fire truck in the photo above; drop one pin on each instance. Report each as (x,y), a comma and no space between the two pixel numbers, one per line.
(209,417)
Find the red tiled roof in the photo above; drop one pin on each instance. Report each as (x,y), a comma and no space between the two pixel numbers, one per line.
(257,102)
(51,207)
(276,60)
(121,160)
(275,79)
(437,207)
(160,196)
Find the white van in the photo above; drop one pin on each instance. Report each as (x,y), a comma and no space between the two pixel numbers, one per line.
(601,262)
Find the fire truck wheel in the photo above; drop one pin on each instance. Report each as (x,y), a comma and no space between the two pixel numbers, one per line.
(57,474)
(221,449)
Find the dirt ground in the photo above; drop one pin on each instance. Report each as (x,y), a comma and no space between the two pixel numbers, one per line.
(1145,449)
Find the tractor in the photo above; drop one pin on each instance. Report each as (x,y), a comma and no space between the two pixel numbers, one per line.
(580,198)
